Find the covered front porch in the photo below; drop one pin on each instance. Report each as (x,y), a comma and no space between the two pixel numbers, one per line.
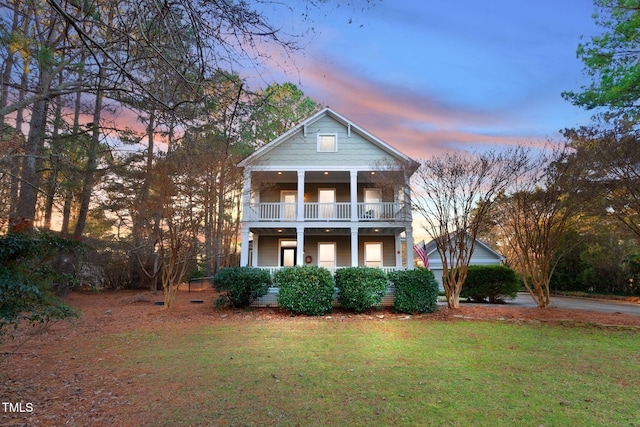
(331,248)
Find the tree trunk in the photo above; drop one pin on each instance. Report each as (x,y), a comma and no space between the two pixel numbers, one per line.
(139,211)
(66,212)
(29,178)
(54,158)
(90,170)
(14,190)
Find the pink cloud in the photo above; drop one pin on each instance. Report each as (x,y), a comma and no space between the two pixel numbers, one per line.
(415,123)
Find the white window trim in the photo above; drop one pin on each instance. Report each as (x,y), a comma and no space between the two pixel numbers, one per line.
(381,245)
(335,252)
(335,147)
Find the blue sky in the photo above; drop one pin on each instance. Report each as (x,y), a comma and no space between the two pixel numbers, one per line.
(428,76)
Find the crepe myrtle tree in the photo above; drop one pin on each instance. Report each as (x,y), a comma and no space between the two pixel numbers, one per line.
(533,217)
(453,192)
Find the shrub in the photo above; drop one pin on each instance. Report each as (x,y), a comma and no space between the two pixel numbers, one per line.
(305,289)
(242,284)
(490,282)
(34,264)
(416,291)
(360,288)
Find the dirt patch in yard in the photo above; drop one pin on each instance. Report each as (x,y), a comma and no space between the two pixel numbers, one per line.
(49,380)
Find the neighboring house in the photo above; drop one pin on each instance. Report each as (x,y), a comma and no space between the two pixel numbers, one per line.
(482,255)
(327,193)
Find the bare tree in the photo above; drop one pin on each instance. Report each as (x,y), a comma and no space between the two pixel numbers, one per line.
(176,234)
(453,193)
(534,217)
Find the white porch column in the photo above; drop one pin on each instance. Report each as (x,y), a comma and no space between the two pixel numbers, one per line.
(398,250)
(409,225)
(354,246)
(244,248)
(409,243)
(300,216)
(254,259)
(354,196)
(246,196)
(407,199)
(300,245)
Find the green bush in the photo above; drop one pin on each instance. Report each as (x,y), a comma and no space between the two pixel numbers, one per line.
(360,288)
(305,289)
(242,284)
(416,291)
(490,282)
(34,264)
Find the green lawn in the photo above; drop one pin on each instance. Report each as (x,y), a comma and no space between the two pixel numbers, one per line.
(324,372)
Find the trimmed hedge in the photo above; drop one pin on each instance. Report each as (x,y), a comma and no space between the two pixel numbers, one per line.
(242,284)
(360,288)
(490,282)
(305,289)
(416,291)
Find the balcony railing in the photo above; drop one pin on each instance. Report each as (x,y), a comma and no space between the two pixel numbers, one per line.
(327,211)
(382,211)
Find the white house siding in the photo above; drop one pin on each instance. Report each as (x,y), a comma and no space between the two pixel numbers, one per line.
(300,150)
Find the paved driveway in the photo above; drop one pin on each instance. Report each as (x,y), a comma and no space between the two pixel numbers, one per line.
(606,306)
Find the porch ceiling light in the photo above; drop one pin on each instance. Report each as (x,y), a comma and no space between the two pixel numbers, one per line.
(326,173)
(279,172)
(280,230)
(327,230)
(376,230)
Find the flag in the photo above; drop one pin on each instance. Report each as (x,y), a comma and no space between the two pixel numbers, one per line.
(421,250)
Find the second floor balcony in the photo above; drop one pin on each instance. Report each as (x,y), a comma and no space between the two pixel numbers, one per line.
(338,211)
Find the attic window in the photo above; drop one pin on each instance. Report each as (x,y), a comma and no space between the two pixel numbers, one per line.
(327,143)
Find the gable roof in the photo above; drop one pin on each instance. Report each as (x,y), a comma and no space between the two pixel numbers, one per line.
(328,112)
(431,248)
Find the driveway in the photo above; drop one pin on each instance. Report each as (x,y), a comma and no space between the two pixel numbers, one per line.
(605,306)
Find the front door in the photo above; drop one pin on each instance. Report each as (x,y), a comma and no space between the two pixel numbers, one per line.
(372,199)
(326,203)
(288,253)
(288,201)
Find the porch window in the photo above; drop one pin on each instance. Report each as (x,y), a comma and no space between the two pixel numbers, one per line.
(327,255)
(327,143)
(373,254)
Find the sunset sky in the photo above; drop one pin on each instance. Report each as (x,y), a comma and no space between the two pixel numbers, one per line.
(427,76)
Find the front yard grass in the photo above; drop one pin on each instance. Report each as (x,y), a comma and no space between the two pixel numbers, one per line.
(322,372)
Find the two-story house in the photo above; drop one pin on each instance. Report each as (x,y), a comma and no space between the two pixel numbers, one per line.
(327,193)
